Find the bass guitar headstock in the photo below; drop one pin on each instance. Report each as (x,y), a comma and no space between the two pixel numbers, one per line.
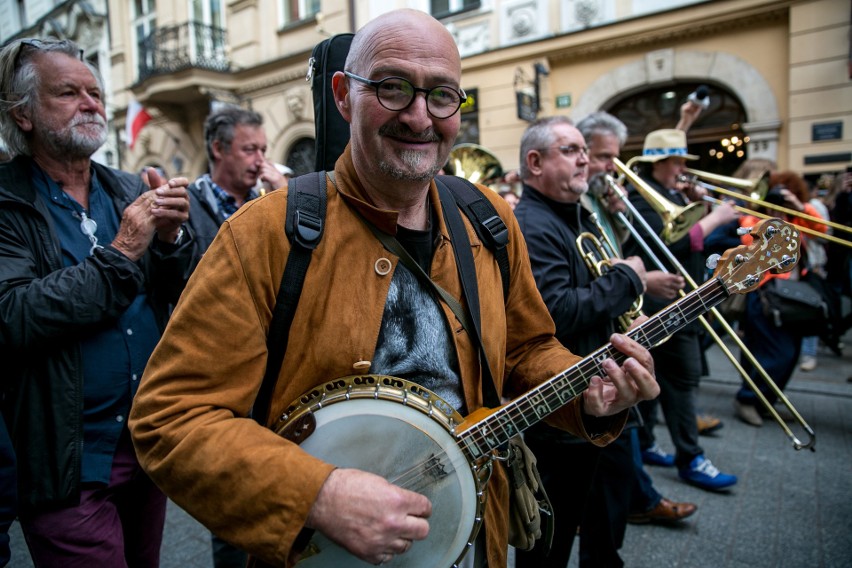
(775,249)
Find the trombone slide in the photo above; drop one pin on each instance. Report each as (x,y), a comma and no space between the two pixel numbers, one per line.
(806,230)
(797,444)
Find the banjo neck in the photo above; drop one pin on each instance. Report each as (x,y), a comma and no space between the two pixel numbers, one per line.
(775,248)
(494,431)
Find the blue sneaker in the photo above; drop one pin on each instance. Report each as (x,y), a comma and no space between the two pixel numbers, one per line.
(656,456)
(702,473)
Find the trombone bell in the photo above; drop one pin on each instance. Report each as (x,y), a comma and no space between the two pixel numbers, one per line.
(677,219)
(757,188)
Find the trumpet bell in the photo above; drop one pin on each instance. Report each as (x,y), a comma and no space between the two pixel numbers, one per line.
(475,164)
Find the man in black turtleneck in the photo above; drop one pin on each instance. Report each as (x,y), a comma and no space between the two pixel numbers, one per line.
(553,168)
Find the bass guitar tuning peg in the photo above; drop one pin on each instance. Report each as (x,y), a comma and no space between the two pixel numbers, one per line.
(712,261)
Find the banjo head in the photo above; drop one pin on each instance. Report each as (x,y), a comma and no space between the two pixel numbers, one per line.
(403,432)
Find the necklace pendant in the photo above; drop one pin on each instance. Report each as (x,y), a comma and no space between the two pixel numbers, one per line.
(87,225)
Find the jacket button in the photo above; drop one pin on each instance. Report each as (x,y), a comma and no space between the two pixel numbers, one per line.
(383,266)
(362,367)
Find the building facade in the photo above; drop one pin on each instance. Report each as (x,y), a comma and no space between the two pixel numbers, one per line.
(778,72)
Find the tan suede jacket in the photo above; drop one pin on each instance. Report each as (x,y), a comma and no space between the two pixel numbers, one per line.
(189,420)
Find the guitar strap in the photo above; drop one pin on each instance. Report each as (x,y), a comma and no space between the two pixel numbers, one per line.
(467,273)
(489,226)
(306,203)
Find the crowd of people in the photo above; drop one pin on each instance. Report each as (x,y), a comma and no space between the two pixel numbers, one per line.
(136,310)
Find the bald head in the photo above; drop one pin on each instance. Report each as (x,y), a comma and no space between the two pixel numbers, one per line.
(397,146)
(422,33)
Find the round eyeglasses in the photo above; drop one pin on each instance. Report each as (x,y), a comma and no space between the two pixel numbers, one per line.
(396,93)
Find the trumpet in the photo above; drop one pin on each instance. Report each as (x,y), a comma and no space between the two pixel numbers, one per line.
(598,257)
(797,444)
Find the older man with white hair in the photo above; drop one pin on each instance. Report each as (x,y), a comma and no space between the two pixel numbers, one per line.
(91,260)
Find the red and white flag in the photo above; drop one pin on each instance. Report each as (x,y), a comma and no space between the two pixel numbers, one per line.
(137,117)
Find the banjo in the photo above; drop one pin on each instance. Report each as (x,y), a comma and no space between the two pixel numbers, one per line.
(428,447)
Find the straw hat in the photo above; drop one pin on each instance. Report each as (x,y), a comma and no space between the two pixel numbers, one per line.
(662,144)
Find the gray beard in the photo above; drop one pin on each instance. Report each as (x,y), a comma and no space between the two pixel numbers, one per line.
(70,143)
(579,190)
(412,160)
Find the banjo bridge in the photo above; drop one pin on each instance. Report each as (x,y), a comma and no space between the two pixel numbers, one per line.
(435,468)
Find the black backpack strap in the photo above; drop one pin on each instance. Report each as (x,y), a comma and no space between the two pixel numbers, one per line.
(489,226)
(306,203)
(467,274)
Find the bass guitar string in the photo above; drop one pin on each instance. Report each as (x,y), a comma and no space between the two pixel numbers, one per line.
(690,307)
(653,330)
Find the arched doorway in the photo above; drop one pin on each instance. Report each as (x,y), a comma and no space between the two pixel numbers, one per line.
(721,72)
(302,156)
(717,137)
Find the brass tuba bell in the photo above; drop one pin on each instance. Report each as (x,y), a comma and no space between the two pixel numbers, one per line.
(475,164)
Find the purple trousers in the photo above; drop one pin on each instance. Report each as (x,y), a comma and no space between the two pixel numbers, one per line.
(118,525)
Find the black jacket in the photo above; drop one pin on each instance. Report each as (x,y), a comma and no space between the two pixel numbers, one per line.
(204,218)
(584,308)
(45,307)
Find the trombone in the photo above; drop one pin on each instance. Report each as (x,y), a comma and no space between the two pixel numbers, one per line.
(637,182)
(677,219)
(758,190)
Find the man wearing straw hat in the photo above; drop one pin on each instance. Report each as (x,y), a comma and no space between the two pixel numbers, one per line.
(661,165)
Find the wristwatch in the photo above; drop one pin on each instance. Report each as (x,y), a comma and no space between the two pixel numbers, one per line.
(179,236)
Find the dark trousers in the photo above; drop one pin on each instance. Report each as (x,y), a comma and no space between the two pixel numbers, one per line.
(567,470)
(644,496)
(776,349)
(677,363)
(8,491)
(226,555)
(605,520)
(117,525)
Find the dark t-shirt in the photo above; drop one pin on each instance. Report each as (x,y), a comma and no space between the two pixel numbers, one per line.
(414,339)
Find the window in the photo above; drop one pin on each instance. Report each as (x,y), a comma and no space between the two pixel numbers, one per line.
(297,10)
(442,8)
(144,23)
(208,42)
(469,128)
